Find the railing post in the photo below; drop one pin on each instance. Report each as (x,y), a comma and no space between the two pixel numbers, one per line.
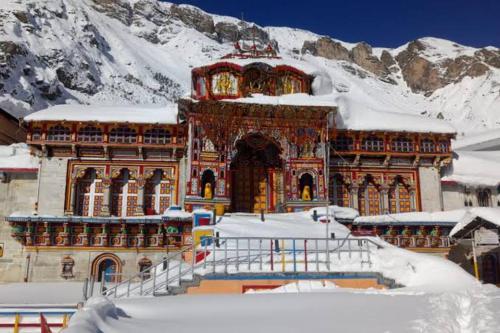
(327,254)
(249,254)
(165,264)
(317,254)
(85,289)
(225,257)
(260,254)
(92,282)
(180,270)
(237,255)
(283,264)
(154,280)
(294,257)
(338,249)
(213,255)
(305,255)
(205,256)
(103,276)
(128,287)
(141,275)
(272,261)
(349,247)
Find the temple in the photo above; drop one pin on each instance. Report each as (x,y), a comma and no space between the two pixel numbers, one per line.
(255,136)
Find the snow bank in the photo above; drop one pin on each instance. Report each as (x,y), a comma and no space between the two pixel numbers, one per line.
(290,99)
(93,316)
(307,286)
(475,168)
(41,293)
(17,156)
(273,62)
(486,140)
(140,114)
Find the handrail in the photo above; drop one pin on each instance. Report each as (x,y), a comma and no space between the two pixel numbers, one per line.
(173,270)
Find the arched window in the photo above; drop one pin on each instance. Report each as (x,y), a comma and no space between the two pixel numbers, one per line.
(89,194)
(306,180)
(373,143)
(207,177)
(444,146)
(89,134)
(484,198)
(123,195)
(369,197)
(402,144)
(157,136)
(339,191)
(342,143)
(123,135)
(399,197)
(427,146)
(36,134)
(59,133)
(157,194)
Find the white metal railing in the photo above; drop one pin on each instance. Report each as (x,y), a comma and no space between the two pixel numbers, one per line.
(232,255)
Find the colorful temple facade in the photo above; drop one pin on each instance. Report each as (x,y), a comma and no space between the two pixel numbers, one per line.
(252,137)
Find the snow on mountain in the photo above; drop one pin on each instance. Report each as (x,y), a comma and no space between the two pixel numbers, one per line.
(142,51)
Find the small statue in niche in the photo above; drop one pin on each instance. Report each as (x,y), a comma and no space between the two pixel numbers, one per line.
(67,267)
(208,192)
(208,146)
(306,193)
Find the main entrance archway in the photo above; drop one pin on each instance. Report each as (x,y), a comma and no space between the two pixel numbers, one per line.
(256,170)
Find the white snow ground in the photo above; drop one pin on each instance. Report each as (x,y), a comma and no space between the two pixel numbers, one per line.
(439,297)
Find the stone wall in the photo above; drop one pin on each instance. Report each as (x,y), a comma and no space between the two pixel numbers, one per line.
(18,193)
(13,258)
(52,186)
(430,189)
(453,196)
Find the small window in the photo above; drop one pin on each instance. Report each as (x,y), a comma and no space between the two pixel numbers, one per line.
(484,198)
(342,143)
(157,136)
(59,133)
(90,134)
(123,135)
(36,134)
(427,146)
(444,146)
(403,145)
(373,143)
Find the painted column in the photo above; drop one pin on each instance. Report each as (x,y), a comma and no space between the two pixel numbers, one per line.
(106,196)
(384,192)
(413,202)
(354,197)
(139,209)
(72,199)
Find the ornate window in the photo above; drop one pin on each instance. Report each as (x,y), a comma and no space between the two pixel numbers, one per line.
(124,195)
(427,146)
(342,143)
(89,134)
(373,143)
(90,196)
(36,134)
(123,135)
(157,193)
(444,146)
(59,133)
(339,191)
(157,136)
(399,197)
(369,197)
(484,198)
(224,84)
(402,144)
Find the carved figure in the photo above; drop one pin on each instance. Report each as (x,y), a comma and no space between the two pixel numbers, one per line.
(208,192)
(306,193)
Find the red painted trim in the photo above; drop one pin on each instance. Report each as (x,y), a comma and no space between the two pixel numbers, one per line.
(20,170)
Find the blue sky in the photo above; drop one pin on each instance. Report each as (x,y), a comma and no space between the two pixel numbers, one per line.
(380,23)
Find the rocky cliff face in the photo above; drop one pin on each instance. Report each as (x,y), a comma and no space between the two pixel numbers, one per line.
(142,51)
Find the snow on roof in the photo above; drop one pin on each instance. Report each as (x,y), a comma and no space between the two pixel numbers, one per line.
(139,114)
(290,99)
(354,115)
(17,156)
(487,140)
(475,168)
(452,216)
(273,62)
(491,215)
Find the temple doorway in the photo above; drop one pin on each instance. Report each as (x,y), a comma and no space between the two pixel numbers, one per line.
(256,170)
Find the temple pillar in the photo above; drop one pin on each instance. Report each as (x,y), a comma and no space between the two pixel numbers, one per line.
(124,235)
(66,234)
(106,196)
(384,193)
(140,236)
(86,234)
(139,209)
(354,197)
(104,235)
(413,200)
(46,234)
(72,198)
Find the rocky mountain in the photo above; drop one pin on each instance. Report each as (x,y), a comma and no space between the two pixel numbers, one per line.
(142,51)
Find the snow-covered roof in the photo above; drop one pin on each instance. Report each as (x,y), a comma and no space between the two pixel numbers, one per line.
(17,157)
(487,140)
(354,115)
(473,218)
(139,114)
(290,99)
(447,217)
(273,62)
(475,168)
